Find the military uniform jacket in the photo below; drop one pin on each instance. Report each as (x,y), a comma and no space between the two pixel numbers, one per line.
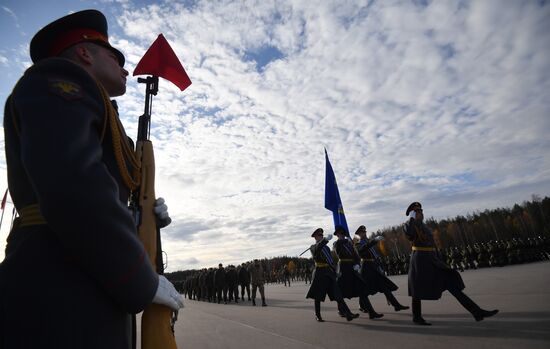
(376,280)
(73,281)
(244,276)
(231,277)
(220,279)
(349,281)
(428,276)
(324,275)
(256,271)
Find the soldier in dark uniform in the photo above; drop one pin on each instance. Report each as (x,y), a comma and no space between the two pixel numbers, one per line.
(429,276)
(232,280)
(482,256)
(456,259)
(70,173)
(350,281)
(210,288)
(220,284)
(373,275)
(202,285)
(324,277)
(244,281)
(307,273)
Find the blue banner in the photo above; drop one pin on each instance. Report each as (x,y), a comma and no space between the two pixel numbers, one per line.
(332,197)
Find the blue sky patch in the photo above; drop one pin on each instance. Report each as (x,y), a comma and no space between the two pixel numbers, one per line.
(263,55)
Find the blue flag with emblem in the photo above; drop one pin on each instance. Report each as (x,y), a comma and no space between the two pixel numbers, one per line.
(332,197)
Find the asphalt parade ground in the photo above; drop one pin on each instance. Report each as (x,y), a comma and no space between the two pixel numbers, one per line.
(520,292)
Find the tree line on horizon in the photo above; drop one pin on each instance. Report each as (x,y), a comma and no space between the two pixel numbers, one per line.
(525,221)
(522,221)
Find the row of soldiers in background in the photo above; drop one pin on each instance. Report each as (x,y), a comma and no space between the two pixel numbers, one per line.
(217,285)
(287,274)
(480,255)
(494,253)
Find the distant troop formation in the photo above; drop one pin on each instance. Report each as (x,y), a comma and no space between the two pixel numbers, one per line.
(221,285)
(494,253)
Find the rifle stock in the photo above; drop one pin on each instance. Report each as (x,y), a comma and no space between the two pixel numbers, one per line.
(156,321)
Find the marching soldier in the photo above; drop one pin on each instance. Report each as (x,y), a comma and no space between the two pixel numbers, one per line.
(70,174)
(374,277)
(482,256)
(428,275)
(324,277)
(350,281)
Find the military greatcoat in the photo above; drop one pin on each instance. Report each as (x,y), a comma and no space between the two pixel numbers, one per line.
(349,281)
(74,269)
(324,274)
(429,276)
(376,280)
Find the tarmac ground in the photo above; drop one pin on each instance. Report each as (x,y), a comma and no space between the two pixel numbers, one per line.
(520,292)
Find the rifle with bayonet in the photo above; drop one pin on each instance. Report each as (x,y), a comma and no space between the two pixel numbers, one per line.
(157,321)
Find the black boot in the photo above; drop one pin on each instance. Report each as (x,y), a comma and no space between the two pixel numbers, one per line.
(417,313)
(254,302)
(318,311)
(345,309)
(393,301)
(264,303)
(478,313)
(341,311)
(362,306)
(368,307)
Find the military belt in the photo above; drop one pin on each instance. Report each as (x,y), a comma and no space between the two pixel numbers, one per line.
(321,265)
(346,261)
(31,215)
(425,249)
(367,259)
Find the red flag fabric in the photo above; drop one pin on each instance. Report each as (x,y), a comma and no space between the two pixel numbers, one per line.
(4,199)
(160,60)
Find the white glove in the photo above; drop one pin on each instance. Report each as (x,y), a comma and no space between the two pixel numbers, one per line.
(328,237)
(379,238)
(356,267)
(412,214)
(161,211)
(167,294)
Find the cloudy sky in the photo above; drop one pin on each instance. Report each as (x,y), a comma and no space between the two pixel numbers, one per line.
(443,102)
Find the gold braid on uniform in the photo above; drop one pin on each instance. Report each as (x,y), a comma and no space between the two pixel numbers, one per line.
(121,148)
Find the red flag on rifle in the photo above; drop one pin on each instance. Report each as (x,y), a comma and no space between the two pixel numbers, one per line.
(160,60)
(4,199)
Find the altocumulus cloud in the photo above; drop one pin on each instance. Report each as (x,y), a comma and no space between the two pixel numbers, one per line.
(443,102)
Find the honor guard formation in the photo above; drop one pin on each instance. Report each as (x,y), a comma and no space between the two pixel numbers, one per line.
(351,270)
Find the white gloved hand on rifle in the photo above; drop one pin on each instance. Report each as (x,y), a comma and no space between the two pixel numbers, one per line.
(167,294)
(379,238)
(328,237)
(161,211)
(356,267)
